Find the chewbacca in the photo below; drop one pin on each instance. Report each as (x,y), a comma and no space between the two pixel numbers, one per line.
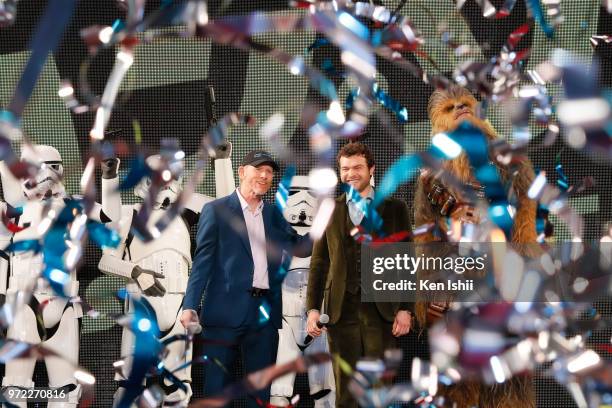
(434,202)
(447,109)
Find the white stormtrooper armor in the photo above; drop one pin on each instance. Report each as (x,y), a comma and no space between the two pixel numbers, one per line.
(299,213)
(48,180)
(59,328)
(162,268)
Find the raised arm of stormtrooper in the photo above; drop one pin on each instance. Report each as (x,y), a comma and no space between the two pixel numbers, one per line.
(224,174)
(109,211)
(112,261)
(121,220)
(224,179)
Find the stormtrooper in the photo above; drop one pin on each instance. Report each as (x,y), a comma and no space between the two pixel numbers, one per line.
(48,319)
(158,270)
(299,213)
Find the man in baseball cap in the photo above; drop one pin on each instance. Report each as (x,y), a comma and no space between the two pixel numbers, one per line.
(240,277)
(256,173)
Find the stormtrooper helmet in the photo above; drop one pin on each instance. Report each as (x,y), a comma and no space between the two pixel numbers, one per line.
(168,193)
(48,181)
(301,203)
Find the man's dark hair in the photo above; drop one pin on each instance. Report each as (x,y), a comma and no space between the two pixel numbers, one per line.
(356,149)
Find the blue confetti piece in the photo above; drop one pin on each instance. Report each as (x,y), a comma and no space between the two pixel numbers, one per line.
(283,269)
(476,147)
(53,258)
(538,14)
(325,87)
(9,117)
(608,128)
(122,293)
(562,181)
(385,100)
(319,42)
(102,236)
(501,217)
(263,313)
(282,194)
(138,170)
(473,142)
(147,349)
(54,247)
(540,224)
(57,279)
(68,213)
(400,172)
(371,222)
(328,67)
(350,98)
(25,245)
(592,312)
(377,38)
(118,25)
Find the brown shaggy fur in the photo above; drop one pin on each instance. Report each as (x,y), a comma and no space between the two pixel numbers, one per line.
(444,108)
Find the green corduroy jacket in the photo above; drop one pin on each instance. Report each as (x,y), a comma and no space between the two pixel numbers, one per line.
(329,262)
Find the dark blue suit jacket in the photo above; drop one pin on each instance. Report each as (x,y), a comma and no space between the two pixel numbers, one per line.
(223,264)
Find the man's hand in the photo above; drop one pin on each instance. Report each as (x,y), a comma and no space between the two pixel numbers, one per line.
(147,281)
(402,323)
(189,318)
(311,324)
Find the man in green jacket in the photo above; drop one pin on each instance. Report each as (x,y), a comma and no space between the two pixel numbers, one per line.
(355,329)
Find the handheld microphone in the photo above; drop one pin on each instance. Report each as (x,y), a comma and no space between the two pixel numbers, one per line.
(323,320)
(213,105)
